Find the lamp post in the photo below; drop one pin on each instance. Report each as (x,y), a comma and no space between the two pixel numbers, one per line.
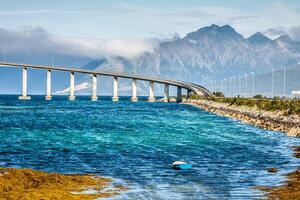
(252,83)
(229,87)
(52,61)
(28,56)
(234,88)
(272,82)
(284,81)
(225,87)
(4,55)
(246,86)
(216,89)
(221,86)
(239,85)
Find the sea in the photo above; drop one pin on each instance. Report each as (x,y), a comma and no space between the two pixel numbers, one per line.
(136,143)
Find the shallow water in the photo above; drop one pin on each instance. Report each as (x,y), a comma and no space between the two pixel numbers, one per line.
(135,143)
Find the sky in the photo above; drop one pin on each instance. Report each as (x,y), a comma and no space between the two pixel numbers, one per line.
(95,28)
(145,19)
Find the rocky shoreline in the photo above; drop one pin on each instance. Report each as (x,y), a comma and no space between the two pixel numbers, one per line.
(274,121)
(35,185)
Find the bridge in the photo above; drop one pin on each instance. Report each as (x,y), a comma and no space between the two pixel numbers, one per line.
(190,87)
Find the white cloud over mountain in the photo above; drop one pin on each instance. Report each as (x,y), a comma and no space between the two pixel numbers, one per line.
(78,87)
(39,40)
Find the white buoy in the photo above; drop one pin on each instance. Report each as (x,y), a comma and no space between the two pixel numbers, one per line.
(181,165)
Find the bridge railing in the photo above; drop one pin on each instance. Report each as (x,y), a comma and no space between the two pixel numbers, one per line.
(190,87)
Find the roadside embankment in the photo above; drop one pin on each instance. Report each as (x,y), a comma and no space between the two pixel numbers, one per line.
(270,120)
(32,184)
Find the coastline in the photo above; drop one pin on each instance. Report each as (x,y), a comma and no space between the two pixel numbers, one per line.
(290,189)
(274,121)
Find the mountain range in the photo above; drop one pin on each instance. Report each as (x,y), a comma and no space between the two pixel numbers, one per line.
(212,53)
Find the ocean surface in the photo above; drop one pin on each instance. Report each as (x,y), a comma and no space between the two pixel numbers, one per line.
(136,143)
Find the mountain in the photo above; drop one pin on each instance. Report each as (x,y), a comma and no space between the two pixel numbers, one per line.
(288,44)
(209,54)
(260,39)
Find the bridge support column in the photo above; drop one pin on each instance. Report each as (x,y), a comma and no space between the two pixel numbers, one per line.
(189,93)
(166,93)
(72,87)
(94,88)
(48,96)
(134,97)
(179,97)
(24,85)
(151,92)
(115,92)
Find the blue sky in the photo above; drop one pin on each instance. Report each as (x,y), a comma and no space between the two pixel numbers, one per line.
(143,19)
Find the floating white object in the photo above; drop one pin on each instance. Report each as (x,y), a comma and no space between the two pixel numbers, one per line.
(181,165)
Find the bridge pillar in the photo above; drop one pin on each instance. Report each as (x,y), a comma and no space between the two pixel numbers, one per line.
(24,85)
(166,93)
(94,88)
(134,97)
(72,87)
(179,97)
(189,93)
(115,92)
(151,97)
(48,96)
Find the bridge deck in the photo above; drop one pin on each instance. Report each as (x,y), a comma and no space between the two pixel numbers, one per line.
(194,87)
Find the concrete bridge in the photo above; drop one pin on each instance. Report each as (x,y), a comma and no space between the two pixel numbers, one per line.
(190,87)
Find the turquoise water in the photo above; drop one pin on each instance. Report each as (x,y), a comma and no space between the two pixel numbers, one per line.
(135,143)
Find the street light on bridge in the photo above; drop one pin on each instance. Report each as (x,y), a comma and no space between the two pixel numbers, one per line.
(234,92)
(4,55)
(252,83)
(240,85)
(246,85)
(52,61)
(284,81)
(230,86)
(225,87)
(272,82)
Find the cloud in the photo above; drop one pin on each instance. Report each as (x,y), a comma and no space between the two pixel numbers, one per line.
(41,41)
(117,19)
(187,13)
(270,19)
(276,31)
(295,32)
(117,8)
(26,12)
(78,87)
(245,21)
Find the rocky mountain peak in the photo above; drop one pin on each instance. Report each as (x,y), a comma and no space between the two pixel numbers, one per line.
(259,38)
(285,38)
(214,31)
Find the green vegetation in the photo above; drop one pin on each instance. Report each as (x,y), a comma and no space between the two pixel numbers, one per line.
(218,94)
(258,96)
(287,106)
